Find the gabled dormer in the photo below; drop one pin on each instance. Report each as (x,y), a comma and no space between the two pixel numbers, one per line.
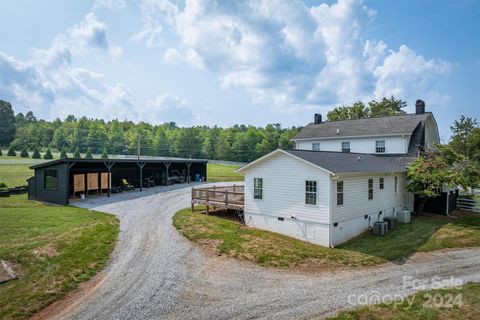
(399,134)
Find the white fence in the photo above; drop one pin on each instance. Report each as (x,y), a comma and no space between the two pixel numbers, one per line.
(468,204)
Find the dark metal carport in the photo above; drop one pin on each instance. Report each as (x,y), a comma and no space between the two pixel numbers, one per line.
(53,181)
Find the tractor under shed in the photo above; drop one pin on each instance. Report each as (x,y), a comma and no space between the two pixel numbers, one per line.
(59,181)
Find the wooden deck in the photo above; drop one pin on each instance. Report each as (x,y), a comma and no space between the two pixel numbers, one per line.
(225,197)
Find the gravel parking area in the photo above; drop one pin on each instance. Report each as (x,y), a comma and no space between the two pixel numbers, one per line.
(157,274)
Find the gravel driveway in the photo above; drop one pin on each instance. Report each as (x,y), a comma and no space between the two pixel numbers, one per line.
(157,274)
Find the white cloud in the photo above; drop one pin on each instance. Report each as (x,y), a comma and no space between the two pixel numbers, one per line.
(51,86)
(110,4)
(167,107)
(287,54)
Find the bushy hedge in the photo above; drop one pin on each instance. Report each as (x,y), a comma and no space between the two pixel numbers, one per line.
(24,153)
(89,154)
(36,154)
(63,155)
(76,154)
(11,152)
(104,153)
(48,155)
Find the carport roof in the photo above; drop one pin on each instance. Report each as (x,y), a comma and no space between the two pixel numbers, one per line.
(163,160)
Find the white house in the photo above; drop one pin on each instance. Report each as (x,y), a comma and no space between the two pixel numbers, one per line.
(341,178)
(395,135)
(322,197)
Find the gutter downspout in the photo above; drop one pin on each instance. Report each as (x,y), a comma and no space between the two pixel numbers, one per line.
(330,212)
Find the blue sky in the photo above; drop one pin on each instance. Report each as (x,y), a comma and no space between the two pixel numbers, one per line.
(227,62)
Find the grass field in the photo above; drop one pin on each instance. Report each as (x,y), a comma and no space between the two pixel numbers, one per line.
(17,174)
(223,172)
(52,248)
(424,234)
(453,303)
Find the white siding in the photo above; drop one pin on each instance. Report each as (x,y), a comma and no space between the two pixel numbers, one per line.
(350,217)
(397,144)
(284,195)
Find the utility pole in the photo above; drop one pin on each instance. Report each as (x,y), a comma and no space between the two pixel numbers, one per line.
(138,147)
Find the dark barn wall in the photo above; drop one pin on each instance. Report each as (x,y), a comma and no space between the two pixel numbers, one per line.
(438,204)
(58,196)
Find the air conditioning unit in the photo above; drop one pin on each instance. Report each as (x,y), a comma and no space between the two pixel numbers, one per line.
(403,216)
(380,228)
(392,222)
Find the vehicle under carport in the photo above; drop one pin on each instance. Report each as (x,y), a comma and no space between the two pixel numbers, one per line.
(58,181)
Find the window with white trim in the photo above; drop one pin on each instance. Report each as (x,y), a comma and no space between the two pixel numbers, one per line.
(339,193)
(381,184)
(380,146)
(257,188)
(311,192)
(396,185)
(370,189)
(346,146)
(315,146)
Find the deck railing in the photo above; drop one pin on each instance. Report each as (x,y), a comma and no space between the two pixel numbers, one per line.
(227,197)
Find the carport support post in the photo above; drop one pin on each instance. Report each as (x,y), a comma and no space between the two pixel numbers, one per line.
(141,165)
(167,164)
(109,166)
(188,171)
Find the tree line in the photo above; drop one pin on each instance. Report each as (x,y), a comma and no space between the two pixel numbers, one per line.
(238,143)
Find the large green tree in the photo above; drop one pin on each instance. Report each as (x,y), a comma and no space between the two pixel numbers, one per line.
(465,138)
(7,123)
(385,107)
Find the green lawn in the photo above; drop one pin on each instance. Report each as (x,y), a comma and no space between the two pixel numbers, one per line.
(53,248)
(226,236)
(15,174)
(223,172)
(425,305)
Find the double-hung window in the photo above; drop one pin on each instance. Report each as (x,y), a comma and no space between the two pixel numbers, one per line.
(311,192)
(339,193)
(380,146)
(370,189)
(315,146)
(257,188)
(346,146)
(381,183)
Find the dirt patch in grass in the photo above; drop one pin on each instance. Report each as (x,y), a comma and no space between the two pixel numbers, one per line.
(8,271)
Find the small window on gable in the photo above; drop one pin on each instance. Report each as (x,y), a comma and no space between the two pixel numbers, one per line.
(339,193)
(50,181)
(346,146)
(311,192)
(381,183)
(370,189)
(380,146)
(315,146)
(257,188)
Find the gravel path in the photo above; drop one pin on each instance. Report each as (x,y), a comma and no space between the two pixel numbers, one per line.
(156,274)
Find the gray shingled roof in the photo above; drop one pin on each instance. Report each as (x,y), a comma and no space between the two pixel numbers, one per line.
(343,162)
(400,124)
